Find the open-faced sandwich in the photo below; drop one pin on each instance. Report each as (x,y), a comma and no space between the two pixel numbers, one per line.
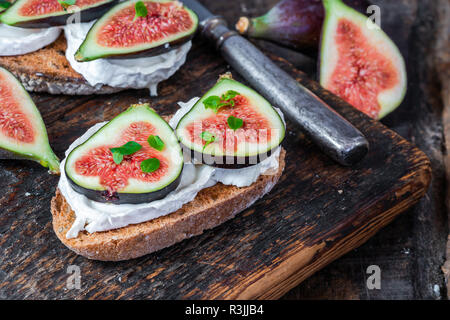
(127,188)
(107,45)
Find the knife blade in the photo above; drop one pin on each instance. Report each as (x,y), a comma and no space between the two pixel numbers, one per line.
(332,133)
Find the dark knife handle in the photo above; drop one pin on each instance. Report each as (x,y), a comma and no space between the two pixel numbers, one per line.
(337,137)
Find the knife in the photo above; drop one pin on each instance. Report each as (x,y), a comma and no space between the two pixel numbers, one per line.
(334,135)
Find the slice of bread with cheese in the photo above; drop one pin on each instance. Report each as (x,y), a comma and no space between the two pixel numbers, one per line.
(211,207)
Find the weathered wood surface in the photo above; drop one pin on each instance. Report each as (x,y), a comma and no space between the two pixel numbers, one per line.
(318,211)
(305,223)
(441,59)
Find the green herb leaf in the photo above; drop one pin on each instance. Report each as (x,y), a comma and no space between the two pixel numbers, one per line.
(150,165)
(155,142)
(230,94)
(208,137)
(128,148)
(141,10)
(212,102)
(215,102)
(117,157)
(5,4)
(235,123)
(67,3)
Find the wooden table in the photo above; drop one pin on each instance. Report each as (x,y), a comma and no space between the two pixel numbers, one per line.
(410,251)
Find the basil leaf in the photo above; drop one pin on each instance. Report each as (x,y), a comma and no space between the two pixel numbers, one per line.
(150,165)
(128,148)
(155,142)
(5,4)
(230,94)
(117,157)
(141,10)
(215,102)
(212,102)
(208,137)
(66,3)
(235,123)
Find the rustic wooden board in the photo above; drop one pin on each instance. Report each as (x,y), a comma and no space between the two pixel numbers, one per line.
(317,212)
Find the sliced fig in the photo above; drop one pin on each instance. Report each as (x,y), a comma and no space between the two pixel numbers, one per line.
(92,168)
(359,62)
(120,33)
(292,23)
(22,131)
(231,126)
(47,13)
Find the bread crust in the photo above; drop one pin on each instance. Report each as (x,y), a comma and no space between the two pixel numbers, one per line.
(212,207)
(47,70)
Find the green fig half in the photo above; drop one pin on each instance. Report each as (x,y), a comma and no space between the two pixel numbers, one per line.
(359,62)
(22,131)
(48,13)
(134,158)
(134,29)
(231,126)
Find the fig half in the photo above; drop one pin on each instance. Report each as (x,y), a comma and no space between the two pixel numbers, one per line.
(292,23)
(122,163)
(22,131)
(48,13)
(121,33)
(231,126)
(359,62)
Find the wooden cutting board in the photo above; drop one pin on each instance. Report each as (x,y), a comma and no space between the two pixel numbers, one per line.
(317,212)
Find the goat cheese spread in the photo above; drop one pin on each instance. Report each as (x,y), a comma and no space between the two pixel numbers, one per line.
(136,73)
(17,41)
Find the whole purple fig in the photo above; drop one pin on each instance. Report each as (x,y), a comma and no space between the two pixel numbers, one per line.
(293,23)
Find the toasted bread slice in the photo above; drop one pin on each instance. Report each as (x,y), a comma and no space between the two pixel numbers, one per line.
(211,207)
(47,70)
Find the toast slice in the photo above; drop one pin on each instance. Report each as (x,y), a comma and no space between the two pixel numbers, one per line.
(211,207)
(47,70)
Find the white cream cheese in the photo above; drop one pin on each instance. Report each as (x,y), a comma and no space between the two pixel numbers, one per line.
(93,216)
(17,41)
(136,73)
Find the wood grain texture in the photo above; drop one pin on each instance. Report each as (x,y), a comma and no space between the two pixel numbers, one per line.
(318,212)
(441,58)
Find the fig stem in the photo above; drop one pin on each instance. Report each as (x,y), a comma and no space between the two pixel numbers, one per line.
(52,163)
(242,25)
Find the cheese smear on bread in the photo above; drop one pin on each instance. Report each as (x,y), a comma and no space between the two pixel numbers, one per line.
(94,216)
(17,41)
(139,73)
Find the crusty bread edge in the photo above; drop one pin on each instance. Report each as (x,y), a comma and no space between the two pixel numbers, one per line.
(38,83)
(212,207)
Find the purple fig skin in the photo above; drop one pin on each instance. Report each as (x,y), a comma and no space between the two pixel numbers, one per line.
(296,24)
